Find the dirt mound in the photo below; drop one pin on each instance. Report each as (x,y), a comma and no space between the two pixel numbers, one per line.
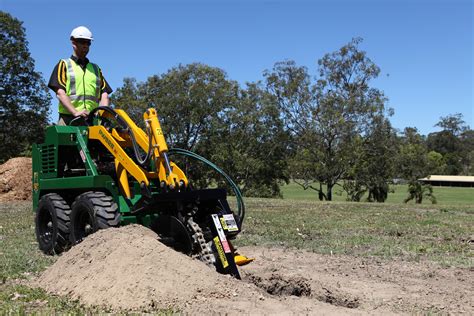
(127,268)
(15,179)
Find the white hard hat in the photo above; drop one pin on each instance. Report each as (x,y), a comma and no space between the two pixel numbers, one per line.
(82,32)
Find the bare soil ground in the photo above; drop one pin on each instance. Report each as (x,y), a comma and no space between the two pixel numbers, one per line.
(129,269)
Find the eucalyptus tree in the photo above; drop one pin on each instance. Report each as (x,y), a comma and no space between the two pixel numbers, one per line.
(326,116)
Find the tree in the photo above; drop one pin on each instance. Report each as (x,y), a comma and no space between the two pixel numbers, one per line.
(451,143)
(326,118)
(189,100)
(374,166)
(412,160)
(255,146)
(436,162)
(467,153)
(131,98)
(417,191)
(413,164)
(24,98)
(453,123)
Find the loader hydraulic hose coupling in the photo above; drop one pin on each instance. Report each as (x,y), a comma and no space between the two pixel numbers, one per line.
(235,188)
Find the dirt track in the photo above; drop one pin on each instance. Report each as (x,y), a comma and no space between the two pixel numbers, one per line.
(127,268)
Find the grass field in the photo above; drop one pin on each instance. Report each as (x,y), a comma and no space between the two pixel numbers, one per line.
(413,232)
(444,195)
(442,233)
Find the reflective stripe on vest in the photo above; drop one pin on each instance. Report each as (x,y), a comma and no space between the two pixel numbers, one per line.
(82,86)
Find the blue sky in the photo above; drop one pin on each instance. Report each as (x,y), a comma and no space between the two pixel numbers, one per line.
(424,48)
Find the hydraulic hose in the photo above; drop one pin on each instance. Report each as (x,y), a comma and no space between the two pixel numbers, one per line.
(136,149)
(235,188)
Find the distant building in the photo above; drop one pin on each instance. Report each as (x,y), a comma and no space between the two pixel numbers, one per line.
(449,181)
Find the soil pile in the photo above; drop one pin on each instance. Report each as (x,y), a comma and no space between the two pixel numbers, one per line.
(127,268)
(15,179)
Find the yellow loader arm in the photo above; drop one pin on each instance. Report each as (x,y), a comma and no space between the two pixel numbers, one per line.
(153,143)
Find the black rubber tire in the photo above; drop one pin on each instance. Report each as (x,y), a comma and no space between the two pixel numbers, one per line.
(92,211)
(52,224)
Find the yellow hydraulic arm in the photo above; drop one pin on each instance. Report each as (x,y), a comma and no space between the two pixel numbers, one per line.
(168,173)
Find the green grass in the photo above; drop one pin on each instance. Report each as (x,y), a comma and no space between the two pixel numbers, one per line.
(411,232)
(18,248)
(23,300)
(444,195)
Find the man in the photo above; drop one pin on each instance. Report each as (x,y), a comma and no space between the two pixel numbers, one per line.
(79,85)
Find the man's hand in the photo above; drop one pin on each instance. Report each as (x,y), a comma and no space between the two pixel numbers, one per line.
(66,101)
(83,113)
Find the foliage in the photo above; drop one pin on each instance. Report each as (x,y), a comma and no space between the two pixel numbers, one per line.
(454,142)
(453,124)
(327,117)
(436,163)
(131,98)
(255,150)
(24,98)
(189,100)
(374,165)
(418,190)
(467,152)
(413,165)
(443,142)
(412,158)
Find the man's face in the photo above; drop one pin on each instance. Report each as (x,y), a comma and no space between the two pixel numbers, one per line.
(81,47)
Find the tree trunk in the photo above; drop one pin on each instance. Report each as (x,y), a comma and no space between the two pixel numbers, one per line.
(329,191)
(320,192)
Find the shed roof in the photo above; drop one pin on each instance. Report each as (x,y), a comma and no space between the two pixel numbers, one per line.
(436,178)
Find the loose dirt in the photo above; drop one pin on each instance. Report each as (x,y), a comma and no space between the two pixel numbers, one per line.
(15,179)
(127,268)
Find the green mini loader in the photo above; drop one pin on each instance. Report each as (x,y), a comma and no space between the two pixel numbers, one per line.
(107,172)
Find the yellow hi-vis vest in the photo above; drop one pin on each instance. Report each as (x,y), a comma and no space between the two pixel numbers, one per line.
(82,86)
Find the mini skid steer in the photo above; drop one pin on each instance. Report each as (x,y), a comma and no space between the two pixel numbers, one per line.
(107,172)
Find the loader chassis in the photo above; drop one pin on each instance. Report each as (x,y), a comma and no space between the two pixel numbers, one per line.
(93,176)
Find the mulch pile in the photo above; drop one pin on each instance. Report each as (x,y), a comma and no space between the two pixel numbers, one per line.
(15,179)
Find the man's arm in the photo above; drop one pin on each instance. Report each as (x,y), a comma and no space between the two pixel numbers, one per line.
(105,90)
(66,102)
